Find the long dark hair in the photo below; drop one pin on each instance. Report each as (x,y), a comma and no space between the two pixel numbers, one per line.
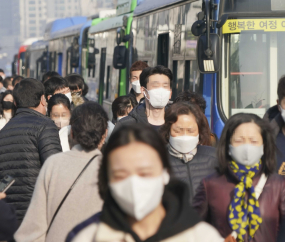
(181,108)
(268,159)
(125,136)
(3,95)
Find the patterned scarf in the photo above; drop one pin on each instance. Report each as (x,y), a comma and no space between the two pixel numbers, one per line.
(185,157)
(244,216)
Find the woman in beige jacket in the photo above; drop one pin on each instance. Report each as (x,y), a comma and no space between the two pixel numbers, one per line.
(88,128)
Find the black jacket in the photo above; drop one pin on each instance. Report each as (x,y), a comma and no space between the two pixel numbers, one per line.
(137,115)
(274,117)
(25,143)
(192,173)
(8,222)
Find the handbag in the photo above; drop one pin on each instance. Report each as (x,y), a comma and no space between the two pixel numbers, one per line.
(68,192)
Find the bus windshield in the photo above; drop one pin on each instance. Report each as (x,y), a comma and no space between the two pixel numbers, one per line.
(253,62)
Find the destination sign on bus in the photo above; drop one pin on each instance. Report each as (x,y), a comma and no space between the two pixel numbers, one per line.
(267,25)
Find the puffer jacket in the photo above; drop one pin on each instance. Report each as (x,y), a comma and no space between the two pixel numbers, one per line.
(216,192)
(25,143)
(203,164)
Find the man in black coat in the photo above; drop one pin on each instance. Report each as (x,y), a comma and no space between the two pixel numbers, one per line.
(26,142)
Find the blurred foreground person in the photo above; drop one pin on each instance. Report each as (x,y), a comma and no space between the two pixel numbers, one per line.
(135,72)
(7,108)
(8,221)
(156,86)
(140,204)
(89,126)
(245,196)
(26,142)
(59,111)
(187,134)
(121,107)
(198,99)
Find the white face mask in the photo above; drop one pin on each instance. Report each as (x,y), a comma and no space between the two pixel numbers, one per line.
(247,155)
(60,122)
(138,196)
(184,144)
(136,86)
(158,97)
(69,96)
(282,112)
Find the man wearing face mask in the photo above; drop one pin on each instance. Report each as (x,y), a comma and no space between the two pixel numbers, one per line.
(156,85)
(135,72)
(56,85)
(26,141)
(276,116)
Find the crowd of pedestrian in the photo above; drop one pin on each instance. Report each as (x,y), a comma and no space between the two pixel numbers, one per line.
(153,171)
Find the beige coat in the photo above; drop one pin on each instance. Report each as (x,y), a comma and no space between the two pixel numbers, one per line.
(56,177)
(201,232)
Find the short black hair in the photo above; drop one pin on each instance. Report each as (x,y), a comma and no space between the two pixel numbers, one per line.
(1,70)
(58,99)
(281,88)
(120,106)
(192,98)
(268,159)
(150,71)
(28,93)
(124,136)
(89,123)
(54,84)
(7,82)
(50,74)
(16,80)
(75,81)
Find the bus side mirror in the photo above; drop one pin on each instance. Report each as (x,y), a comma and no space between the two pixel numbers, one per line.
(208,59)
(120,57)
(74,53)
(44,66)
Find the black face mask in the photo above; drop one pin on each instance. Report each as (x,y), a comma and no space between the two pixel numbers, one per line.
(7,105)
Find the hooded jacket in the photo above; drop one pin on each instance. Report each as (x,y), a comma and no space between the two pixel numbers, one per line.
(181,222)
(25,143)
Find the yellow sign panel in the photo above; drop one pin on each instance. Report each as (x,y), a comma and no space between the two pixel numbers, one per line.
(267,25)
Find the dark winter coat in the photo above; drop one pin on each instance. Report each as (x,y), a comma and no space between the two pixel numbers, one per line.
(203,164)
(25,143)
(273,116)
(216,192)
(8,221)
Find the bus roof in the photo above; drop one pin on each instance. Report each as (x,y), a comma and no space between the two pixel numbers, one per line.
(53,27)
(39,45)
(110,23)
(146,6)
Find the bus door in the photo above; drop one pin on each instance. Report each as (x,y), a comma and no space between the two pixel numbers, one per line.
(102,75)
(59,63)
(163,49)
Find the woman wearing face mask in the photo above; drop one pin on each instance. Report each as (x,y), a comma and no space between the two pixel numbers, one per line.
(245,198)
(58,175)
(187,134)
(140,203)
(7,108)
(59,111)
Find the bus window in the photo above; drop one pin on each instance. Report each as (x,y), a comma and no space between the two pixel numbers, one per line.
(163,49)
